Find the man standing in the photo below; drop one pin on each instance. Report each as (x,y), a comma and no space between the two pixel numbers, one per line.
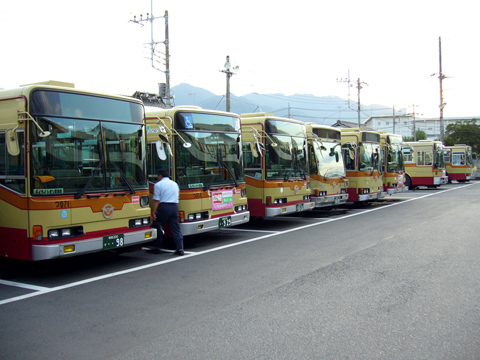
(165,207)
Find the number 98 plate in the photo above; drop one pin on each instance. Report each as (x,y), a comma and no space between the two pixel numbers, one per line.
(113,241)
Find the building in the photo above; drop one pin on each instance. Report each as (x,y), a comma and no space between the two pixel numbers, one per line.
(403,124)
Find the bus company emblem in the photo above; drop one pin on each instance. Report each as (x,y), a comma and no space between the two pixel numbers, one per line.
(295,189)
(334,183)
(107,211)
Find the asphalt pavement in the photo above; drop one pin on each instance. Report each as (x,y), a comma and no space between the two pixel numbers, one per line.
(397,279)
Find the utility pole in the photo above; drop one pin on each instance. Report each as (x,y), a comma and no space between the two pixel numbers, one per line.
(229,71)
(442,104)
(359,87)
(414,129)
(167,60)
(394,119)
(347,80)
(164,88)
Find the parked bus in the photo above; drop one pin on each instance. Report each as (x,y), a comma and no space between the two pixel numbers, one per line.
(72,172)
(328,181)
(424,164)
(276,165)
(393,164)
(202,149)
(361,150)
(458,162)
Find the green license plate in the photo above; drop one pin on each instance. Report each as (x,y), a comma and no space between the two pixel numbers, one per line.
(299,207)
(336,200)
(225,221)
(113,241)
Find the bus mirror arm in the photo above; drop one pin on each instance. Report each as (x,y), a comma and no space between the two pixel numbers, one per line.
(172,132)
(256,136)
(30,118)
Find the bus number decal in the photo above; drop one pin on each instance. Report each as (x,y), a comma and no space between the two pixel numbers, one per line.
(62,204)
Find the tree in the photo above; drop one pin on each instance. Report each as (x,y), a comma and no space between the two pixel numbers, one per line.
(463,132)
(421,135)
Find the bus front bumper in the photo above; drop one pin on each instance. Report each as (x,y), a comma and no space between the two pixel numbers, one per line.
(329,200)
(371,196)
(289,209)
(391,191)
(191,228)
(440,180)
(73,248)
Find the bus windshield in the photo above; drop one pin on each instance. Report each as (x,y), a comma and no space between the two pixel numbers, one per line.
(369,157)
(213,159)
(395,162)
(330,161)
(288,159)
(86,155)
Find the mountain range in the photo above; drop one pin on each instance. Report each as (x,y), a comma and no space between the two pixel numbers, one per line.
(308,108)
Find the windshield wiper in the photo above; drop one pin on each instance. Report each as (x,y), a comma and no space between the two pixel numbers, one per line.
(90,179)
(224,165)
(124,177)
(287,175)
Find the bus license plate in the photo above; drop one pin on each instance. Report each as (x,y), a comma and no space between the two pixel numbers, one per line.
(299,207)
(113,241)
(225,221)
(336,200)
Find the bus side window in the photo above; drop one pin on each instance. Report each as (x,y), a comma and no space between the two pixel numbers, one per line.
(12,168)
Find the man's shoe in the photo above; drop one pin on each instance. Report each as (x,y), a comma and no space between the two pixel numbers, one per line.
(179,252)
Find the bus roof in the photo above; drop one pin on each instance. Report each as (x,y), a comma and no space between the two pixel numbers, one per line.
(265,116)
(26,89)
(161,112)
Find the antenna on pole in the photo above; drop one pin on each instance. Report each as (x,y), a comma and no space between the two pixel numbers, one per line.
(441,77)
(164,88)
(442,104)
(359,87)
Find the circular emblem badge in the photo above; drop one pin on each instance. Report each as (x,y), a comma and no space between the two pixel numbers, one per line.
(107,211)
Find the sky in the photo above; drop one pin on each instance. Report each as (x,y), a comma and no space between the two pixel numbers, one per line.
(280,47)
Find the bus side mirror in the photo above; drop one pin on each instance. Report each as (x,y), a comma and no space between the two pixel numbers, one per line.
(253,149)
(337,157)
(238,147)
(12,142)
(160,150)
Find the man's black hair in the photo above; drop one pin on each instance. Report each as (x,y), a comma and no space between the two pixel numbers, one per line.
(163,172)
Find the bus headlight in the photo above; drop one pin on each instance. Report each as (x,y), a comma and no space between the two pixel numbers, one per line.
(139,222)
(55,234)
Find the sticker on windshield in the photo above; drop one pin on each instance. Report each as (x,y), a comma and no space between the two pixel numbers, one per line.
(188,122)
(48,191)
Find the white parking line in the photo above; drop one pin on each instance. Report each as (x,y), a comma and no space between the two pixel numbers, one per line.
(163,262)
(22,285)
(252,230)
